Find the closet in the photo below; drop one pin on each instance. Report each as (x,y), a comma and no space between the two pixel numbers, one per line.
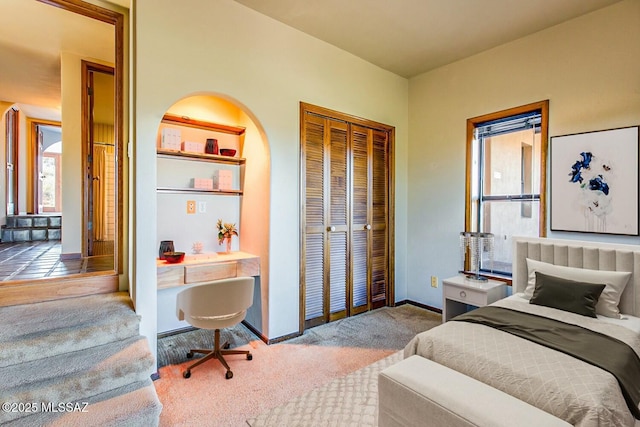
(346,216)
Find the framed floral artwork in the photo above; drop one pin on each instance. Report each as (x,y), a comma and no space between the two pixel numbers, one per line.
(594,182)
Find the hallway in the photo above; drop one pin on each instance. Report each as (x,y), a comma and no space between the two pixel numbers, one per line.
(37,260)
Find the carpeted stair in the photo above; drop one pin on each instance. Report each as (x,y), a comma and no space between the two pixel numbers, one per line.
(78,361)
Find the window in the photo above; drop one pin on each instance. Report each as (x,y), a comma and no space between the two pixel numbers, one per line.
(506,178)
(51,178)
(11,155)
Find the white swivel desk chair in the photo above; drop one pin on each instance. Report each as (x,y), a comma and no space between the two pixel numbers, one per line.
(216,305)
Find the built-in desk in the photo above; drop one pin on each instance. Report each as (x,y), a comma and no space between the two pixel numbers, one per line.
(197,269)
(206,267)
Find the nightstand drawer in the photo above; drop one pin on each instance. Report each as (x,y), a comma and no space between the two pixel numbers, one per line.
(466,295)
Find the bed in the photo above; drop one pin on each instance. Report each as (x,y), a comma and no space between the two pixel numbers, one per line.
(551,379)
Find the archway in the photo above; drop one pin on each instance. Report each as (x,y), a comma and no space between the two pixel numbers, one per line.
(188,216)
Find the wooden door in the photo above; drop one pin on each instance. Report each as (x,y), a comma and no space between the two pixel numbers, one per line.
(313,220)
(345,192)
(325,217)
(380,214)
(361,203)
(369,206)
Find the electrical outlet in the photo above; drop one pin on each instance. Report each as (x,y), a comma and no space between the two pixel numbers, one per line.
(191,206)
(434,281)
(202,207)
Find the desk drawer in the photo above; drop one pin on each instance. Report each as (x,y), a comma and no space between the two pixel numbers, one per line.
(206,273)
(466,295)
(169,277)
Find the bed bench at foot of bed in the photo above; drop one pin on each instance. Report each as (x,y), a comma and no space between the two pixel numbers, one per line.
(420,392)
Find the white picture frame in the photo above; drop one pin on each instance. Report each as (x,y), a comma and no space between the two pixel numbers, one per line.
(594,182)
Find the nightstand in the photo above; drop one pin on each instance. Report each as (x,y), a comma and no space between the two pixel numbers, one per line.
(458,292)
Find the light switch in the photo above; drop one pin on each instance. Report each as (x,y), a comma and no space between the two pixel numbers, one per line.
(202,207)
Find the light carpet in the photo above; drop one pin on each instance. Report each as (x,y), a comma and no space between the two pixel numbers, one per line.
(349,401)
(279,372)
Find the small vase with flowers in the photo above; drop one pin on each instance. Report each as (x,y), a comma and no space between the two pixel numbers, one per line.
(225,232)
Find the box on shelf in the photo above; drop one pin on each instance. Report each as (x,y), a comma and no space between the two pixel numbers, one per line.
(203,183)
(223,179)
(193,146)
(171,139)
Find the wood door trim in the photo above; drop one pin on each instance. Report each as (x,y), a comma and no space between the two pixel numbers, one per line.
(32,167)
(117,20)
(336,115)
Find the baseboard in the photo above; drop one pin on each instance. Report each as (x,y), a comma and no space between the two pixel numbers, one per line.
(70,256)
(175,332)
(244,322)
(418,304)
(283,338)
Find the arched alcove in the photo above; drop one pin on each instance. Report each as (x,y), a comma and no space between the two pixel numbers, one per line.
(246,205)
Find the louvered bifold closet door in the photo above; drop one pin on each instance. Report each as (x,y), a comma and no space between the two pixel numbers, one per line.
(325,212)
(338,220)
(345,192)
(361,142)
(313,243)
(379,218)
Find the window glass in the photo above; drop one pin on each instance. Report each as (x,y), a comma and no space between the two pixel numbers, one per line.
(506,179)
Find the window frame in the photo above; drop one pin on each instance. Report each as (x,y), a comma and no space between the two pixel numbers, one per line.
(472,123)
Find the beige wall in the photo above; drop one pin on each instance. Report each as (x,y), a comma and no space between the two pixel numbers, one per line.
(71,74)
(266,68)
(589,70)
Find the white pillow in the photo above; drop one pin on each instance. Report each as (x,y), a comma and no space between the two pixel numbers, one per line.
(615,282)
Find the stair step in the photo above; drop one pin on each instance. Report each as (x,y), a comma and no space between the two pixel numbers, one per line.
(77,376)
(135,404)
(30,234)
(31,228)
(47,329)
(51,221)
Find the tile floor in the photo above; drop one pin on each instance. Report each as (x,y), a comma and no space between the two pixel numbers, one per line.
(37,260)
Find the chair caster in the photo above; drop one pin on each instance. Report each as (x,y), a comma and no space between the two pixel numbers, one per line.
(186,374)
(189,355)
(249,356)
(228,375)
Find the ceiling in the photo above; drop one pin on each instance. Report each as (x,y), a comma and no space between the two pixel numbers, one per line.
(32,37)
(410,37)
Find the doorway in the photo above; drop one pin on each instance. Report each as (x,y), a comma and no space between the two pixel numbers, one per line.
(54,94)
(99,202)
(45,184)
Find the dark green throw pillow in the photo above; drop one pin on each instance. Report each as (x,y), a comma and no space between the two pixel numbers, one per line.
(568,295)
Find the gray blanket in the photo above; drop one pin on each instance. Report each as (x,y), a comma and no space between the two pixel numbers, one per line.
(570,389)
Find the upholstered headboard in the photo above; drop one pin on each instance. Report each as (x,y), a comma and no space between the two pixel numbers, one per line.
(578,254)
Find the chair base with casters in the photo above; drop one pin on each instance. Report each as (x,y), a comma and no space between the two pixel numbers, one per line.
(216,353)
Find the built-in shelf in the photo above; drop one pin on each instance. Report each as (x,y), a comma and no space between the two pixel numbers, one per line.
(198,190)
(215,158)
(199,124)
